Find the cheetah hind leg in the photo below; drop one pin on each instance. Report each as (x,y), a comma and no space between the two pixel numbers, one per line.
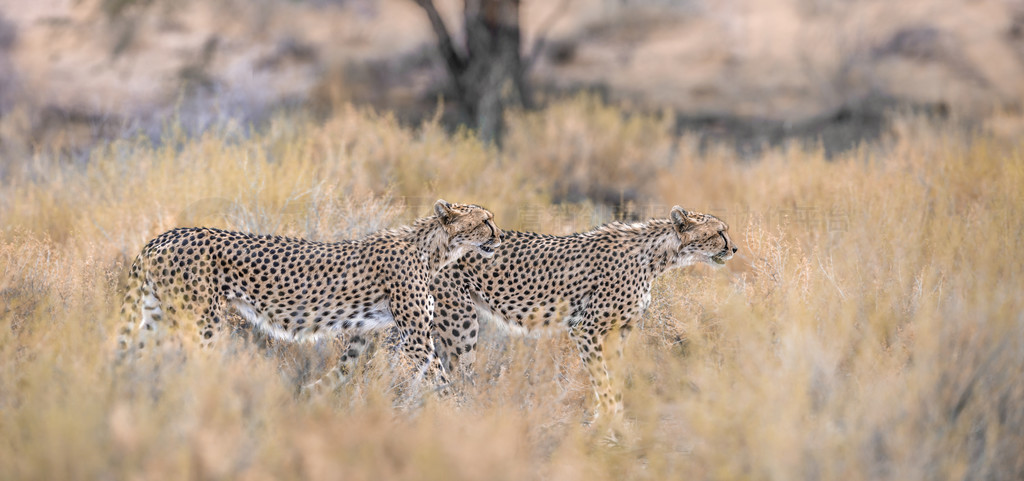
(131,315)
(348,362)
(212,324)
(143,313)
(341,371)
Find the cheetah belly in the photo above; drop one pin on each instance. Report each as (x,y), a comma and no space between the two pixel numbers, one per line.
(524,320)
(377,316)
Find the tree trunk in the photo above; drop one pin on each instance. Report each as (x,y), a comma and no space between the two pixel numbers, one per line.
(493,78)
(488,75)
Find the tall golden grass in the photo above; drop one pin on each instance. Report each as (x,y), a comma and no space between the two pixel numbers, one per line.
(870,328)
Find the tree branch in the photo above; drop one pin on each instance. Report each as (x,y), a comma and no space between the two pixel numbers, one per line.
(456,64)
(542,33)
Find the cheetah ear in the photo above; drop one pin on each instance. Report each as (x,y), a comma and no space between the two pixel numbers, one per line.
(681,218)
(445,212)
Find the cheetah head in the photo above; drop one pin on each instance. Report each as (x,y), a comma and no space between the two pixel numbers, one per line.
(705,238)
(469,227)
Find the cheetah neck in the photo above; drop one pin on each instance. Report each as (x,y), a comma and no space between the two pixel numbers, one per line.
(436,245)
(656,241)
(430,241)
(661,247)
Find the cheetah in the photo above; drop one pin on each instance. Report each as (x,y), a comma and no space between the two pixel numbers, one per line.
(592,284)
(188,279)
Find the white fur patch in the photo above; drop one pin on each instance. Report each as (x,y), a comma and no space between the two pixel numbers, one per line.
(508,328)
(151,309)
(379,316)
(558,324)
(260,320)
(645,300)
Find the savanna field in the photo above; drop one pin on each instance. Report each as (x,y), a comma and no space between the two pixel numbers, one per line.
(871,326)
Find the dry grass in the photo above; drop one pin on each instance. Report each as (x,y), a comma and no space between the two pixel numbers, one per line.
(870,329)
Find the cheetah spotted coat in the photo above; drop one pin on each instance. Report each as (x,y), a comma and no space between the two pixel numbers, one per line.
(186,279)
(590,284)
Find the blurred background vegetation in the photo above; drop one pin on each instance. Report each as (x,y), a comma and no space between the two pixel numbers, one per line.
(750,73)
(867,155)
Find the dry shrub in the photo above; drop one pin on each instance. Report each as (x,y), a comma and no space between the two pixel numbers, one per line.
(870,327)
(583,149)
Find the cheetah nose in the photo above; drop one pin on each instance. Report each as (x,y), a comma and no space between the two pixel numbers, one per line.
(734,250)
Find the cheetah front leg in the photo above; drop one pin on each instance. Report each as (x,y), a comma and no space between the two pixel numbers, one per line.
(455,322)
(590,336)
(413,310)
(624,331)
